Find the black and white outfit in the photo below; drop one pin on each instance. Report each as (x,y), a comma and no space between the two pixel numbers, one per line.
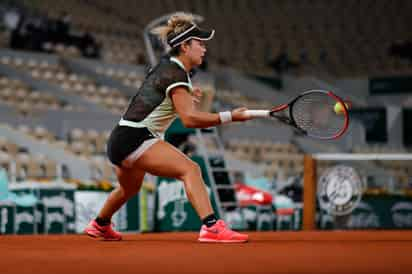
(151,110)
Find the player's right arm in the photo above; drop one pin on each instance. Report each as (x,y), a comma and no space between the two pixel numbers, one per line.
(193,118)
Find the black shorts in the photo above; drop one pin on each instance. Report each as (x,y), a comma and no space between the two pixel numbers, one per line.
(124,140)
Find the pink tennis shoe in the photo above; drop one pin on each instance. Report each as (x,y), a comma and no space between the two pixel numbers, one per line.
(220,233)
(105,232)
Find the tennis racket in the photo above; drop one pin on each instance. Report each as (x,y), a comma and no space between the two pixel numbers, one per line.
(312,113)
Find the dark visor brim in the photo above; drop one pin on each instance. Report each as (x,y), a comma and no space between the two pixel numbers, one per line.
(203,34)
(192,33)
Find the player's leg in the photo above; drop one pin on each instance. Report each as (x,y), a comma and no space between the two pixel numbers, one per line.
(162,159)
(130,181)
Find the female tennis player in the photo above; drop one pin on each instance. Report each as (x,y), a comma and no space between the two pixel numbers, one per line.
(136,144)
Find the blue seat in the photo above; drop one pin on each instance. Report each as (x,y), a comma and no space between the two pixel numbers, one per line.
(4,185)
(24,200)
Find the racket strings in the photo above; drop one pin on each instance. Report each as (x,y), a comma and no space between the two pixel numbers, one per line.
(314,113)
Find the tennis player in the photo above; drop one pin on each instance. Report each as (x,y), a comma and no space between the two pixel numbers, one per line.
(136,144)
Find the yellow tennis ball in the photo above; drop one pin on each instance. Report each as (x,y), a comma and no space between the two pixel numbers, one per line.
(339,108)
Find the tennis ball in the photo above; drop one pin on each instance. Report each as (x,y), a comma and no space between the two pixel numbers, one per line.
(339,108)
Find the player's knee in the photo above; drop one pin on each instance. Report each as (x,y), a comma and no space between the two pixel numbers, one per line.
(191,169)
(196,169)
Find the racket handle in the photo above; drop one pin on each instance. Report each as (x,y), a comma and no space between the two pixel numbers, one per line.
(258,113)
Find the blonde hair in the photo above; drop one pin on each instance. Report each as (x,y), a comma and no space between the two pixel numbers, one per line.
(177,23)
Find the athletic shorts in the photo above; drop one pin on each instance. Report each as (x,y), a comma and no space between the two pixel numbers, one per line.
(128,143)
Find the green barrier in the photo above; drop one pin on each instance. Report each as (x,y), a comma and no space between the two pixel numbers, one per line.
(374,212)
(88,204)
(25,221)
(53,213)
(7,217)
(173,210)
(62,209)
(132,218)
(50,219)
(56,209)
(26,217)
(386,212)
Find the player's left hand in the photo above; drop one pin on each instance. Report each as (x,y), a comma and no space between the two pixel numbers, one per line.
(196,95)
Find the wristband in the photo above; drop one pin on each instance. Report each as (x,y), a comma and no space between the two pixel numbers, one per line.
(225,117)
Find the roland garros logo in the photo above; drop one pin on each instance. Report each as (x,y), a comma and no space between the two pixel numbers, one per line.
(339,190)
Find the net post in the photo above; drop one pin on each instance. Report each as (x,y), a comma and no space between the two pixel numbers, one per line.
(309,193)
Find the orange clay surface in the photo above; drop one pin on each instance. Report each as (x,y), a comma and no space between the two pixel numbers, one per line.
(267,252)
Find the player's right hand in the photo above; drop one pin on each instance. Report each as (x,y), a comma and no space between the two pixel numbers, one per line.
(239,115)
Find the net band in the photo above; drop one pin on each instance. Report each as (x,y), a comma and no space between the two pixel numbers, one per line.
(361,156)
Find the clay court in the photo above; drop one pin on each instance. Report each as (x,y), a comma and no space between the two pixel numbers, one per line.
(267,252)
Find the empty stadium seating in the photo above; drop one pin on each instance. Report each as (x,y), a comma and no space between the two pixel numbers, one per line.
(20,164)
(401,170)
(279,159)
(235,98)
(248,36)
(315,33)
(128,78)
(73,83)
(15,93)
(89,144)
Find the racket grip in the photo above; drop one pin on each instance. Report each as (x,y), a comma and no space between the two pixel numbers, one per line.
(258,113)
